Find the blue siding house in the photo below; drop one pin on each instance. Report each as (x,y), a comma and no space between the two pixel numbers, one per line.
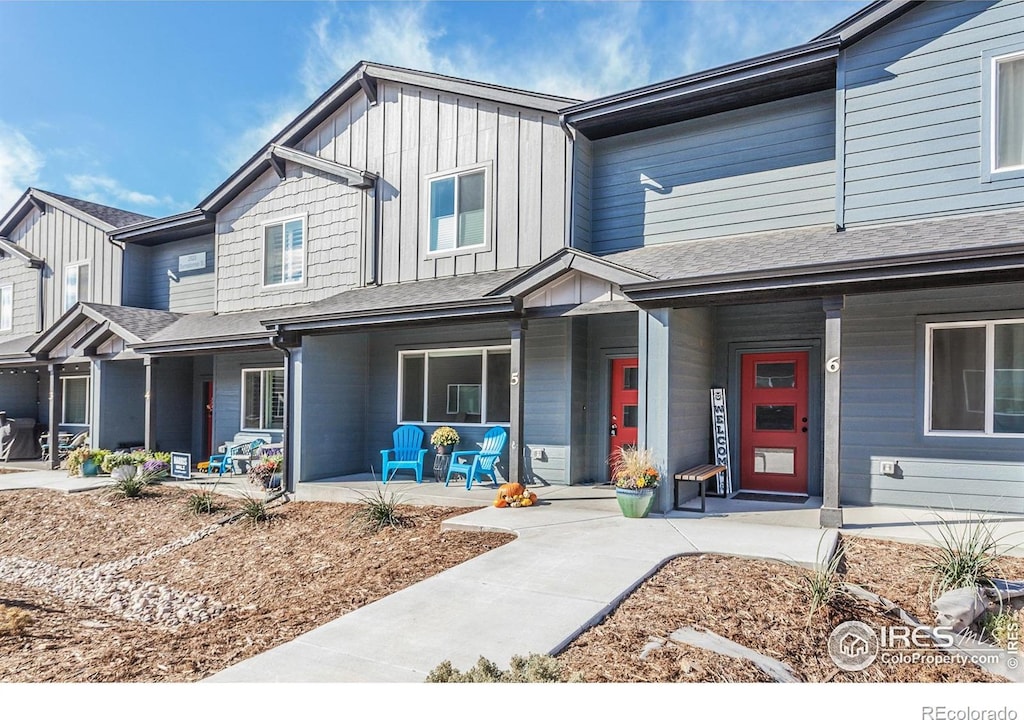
(831,233)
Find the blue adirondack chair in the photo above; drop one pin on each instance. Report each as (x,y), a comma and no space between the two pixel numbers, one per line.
(408,453)
(482,462)
(226,463)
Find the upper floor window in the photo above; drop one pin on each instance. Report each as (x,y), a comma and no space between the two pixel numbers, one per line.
(263,399)
(975,378)
(76,284)
(1008,113)
(458,210)
(283,254)
(6,308)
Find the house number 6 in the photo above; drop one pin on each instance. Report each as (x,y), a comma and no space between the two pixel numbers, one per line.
(832,365)
(515,378)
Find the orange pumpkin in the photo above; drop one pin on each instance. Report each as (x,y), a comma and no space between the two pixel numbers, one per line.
(510,490)
(500,503)
(533,497)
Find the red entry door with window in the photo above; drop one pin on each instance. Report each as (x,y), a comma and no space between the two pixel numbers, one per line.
(773,422)
(625,397)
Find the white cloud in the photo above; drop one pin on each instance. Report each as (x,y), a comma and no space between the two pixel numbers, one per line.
(20,163)
(108,191)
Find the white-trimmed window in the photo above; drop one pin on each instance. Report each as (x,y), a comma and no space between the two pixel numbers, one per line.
(975,378)
(458,210)
(76,284)
(75,400)
(284,256)
(6,308)
(457,386)
(1008,112)
(263,399)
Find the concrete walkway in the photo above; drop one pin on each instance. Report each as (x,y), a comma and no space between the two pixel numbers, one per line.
(566,570)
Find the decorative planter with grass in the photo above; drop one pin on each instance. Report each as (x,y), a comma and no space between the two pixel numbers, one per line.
(90,467)
(636,478)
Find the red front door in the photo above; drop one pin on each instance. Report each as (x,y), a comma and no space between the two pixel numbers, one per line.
(625,396)
(773,422)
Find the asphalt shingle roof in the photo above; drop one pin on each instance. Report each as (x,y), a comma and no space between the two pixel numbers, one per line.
(211,326)
(113,216)
(16,346)
(818,248)
(141,322)
(400,296)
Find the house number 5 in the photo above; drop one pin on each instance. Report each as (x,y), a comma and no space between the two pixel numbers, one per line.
(515,378)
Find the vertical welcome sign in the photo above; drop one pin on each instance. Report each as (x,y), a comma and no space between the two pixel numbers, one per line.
(720,431)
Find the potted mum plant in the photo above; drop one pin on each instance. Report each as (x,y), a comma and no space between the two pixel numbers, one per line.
(444,439)
(636,477)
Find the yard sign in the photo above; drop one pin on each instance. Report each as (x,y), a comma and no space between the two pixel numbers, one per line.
(181,465)
(720,429)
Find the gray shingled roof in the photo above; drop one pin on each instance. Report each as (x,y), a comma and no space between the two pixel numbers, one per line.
(405,296)
(821,248)
(111,215)
(210,326)
(17,345)
(141,322)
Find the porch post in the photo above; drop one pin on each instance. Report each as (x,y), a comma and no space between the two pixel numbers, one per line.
(831,511)
(517,381)
(56,408)
(653,430)
(150,437)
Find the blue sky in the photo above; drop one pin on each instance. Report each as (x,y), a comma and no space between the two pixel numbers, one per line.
(149,106)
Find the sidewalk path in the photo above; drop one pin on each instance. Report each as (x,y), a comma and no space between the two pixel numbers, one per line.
(566,570)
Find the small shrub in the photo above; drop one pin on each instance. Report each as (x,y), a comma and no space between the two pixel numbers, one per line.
(379,510)
(822,585)
(1003,628)
(156,468)
(129,482)
(254,510)
(964,555)
(14,621)
(535,668)
(202,502)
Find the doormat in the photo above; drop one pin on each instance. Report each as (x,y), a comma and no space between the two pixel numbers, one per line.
(769,497)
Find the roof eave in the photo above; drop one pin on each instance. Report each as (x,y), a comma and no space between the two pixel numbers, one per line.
(476,309)
(194,345)
(924,265)
(867,19)
(191,220)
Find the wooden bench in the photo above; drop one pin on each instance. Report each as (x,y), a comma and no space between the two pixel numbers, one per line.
(699,474)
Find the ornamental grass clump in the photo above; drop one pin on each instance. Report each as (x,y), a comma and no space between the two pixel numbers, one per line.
(202,502)
(379,510)
(635,468)
(965,554)
(822,584)
(129,481)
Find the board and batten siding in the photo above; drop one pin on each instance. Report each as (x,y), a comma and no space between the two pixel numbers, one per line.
(883,347)
(61,240)
(582,193)
(331,243)
(765,167)
(914,113)
(413,132)
(185,291)
(24,283)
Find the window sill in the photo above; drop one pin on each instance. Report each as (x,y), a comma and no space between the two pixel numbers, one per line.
(972,435)
(468,250)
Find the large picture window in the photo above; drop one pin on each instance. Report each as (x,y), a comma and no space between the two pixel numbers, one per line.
(75,406)
(283,255)
(458,211)
(6,308)
(465,386)
(263,400)
(76,284)
(975,378)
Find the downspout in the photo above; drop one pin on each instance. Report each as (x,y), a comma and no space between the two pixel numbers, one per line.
(277,342)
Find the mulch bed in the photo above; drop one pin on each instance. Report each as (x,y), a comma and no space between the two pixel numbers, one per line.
(310,564)
(759,604)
